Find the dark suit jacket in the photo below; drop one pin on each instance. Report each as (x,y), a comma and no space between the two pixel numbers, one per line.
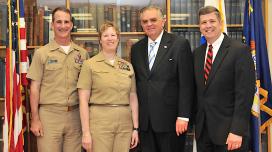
(224,103)
(165,92)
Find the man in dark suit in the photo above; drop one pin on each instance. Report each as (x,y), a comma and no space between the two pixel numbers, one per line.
(165,85)
(225,84)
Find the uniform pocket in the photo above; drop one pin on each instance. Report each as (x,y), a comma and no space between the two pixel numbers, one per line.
(53,66)
(101,72)
(125,81)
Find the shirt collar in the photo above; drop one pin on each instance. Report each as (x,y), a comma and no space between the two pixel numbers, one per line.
(158,39)
(101,57)
(55,46)
(218,41)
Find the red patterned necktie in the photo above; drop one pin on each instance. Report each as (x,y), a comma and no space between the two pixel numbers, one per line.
(208,63)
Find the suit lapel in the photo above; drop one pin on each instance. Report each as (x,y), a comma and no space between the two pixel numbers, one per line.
(163,47)
(222,52)
(200,63)
(144,54)
(199,57)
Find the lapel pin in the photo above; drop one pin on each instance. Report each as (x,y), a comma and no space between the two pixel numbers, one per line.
(170,59)
(165,47)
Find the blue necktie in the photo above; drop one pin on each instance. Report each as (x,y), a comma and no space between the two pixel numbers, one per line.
(151,54)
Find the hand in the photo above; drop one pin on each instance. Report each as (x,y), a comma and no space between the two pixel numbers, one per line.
(134,139)
(36,127)
(87,142)
(181,126)
(234,141)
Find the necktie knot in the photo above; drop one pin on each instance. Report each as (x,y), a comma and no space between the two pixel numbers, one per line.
(210,52)
(210,47)
(152,45)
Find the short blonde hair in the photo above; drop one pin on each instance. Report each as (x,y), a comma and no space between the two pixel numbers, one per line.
(105,26)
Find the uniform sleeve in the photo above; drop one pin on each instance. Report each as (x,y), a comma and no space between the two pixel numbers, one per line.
(133,81)
(133,84)
(86,55)
(36,68)
(85,77)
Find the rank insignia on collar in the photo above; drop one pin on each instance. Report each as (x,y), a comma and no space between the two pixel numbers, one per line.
(78,59)
(123,66)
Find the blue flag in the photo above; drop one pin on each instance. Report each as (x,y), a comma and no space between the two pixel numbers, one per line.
(254,37)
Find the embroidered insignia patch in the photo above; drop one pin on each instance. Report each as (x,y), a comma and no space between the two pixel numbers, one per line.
(78,59)
(123,66)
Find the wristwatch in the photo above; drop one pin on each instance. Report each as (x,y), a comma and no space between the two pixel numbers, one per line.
(136,129)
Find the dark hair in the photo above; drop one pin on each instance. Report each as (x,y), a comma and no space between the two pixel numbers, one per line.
(63,9)
(150,7)
(207,10)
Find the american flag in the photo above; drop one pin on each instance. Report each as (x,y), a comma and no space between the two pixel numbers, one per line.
(16,67)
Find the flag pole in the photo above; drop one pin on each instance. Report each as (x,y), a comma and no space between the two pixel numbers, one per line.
(265,5)
(23,71)
(27,109)
(10,73)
